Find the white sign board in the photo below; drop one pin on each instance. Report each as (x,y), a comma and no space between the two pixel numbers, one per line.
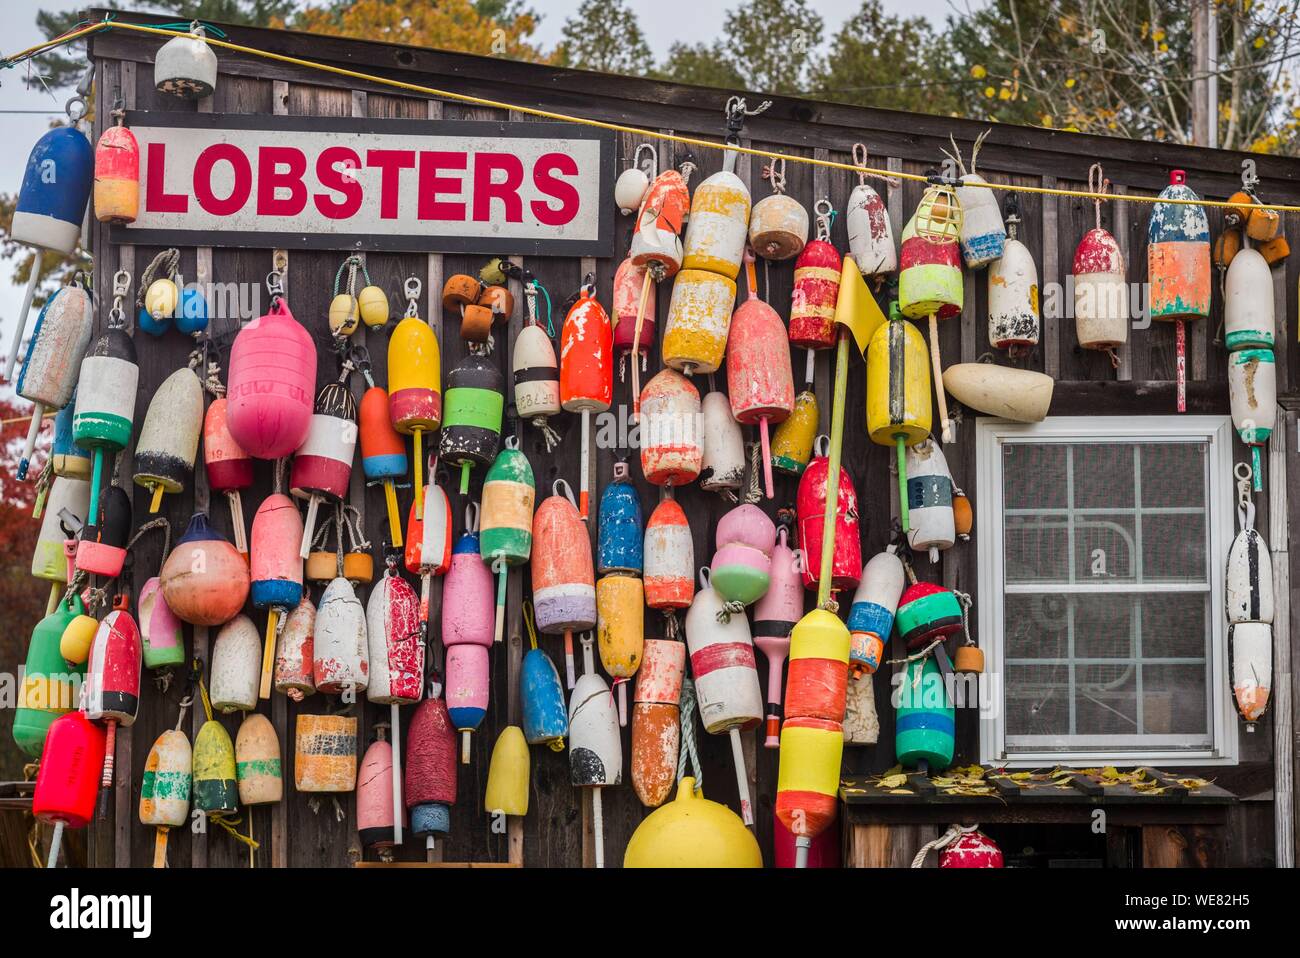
(316,182)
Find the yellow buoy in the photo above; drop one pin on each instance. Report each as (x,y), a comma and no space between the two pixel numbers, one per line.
(74,645)
(793,440)
(343,314)
(507,784)
(692,832)
(373,304)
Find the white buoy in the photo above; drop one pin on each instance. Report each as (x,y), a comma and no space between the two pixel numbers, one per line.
(236,666)
(723,463)
(929,499)
(595,749)
(1248,320)
(340,646)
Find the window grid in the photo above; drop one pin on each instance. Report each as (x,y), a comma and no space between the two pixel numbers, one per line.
(1135,661)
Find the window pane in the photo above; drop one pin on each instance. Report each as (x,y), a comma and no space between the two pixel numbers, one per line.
(1036,626)
(1034,475)
(1108,613)
(1038,700)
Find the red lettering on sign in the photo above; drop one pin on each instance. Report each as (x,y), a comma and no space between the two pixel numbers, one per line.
(156,198)
(507,191)
(391,163)
(550,185)
(280,167)
(243,184)
(332,177)
(429,207)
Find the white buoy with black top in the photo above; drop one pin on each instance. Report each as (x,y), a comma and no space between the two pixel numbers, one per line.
(595,750)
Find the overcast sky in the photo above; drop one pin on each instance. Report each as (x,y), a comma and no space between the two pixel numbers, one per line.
(661,20)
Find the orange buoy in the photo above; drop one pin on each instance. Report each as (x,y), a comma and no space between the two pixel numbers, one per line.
(586,371)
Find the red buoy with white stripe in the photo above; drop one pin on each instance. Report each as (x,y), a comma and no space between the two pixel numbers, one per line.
(396,667)
(111,690)
(669,558)
(586,371)
(322,466)
(671,449)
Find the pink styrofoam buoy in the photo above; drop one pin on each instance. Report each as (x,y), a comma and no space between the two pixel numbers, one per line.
(272,384)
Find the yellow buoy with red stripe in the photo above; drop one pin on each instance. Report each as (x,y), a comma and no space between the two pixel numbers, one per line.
(812,737)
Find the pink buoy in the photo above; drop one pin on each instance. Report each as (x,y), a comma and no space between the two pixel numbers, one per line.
(271,386)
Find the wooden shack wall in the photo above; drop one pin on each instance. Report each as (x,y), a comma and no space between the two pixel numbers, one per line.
(317,831)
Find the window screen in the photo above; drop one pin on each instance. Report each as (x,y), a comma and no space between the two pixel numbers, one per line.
(1107,595)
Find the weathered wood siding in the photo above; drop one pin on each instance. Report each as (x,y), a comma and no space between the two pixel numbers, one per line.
(305,831)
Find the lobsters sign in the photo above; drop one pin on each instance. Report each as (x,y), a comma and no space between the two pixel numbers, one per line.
(455,186)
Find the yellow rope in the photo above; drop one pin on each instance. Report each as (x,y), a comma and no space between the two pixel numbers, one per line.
(619,127)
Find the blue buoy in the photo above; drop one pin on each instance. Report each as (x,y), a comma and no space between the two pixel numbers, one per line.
(622,533)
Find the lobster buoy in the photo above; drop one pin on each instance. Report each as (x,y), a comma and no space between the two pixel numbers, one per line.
(216,789)
(415,385)
(117,174)
(629,282)
(204,580)
(275,569)
(111,691)
(898,393)
(506,533)
(383,454)
(236,661)
(620,540)
(812,736)
(257,761)
(671,450)
(186,66)
(67,459)
(656,728)
(726,680)
(53,359)
(165,788)
(162,636)
(1101,307)
(816,288)
(586,371)
(1252,396)
(630,189)
(433,545)
(271,384)
(546,717)
(823,853)
(229,467)
(49,560)
(340,644)
(169,439)
(429,790)
(467,633)
(395,644)
(1013,290)
(656,242)
(101,548)
(778,227)
(376,825)
(471,422)
(536,377)
(760,383)
(793,442)
(810,509)
(294,652)
(699,317)
(742,567)
(322,466)
(1248,321)
(564,581)
(595,749)
(1249,578)
(67,781)
(1178,266)
(925,720)
(467,691)
(105,402)
(1252,667)
(692,832)
(49,686)
(722,447)
(929,499)
(926,612)
(50,210)
(508,771)
(972,849)
(620,616)
(775,616)
(1020,395)
(325,752)
(871,617)
(871,236)
(669,558)
(715,236)
(983,234)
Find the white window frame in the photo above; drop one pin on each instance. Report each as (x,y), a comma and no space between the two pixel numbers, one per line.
(990,435)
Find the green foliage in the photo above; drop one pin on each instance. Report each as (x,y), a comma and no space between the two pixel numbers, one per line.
(605,35)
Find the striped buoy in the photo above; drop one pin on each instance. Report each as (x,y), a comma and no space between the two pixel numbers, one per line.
(656,728)
(669,558)
(471,421)
(325,753)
